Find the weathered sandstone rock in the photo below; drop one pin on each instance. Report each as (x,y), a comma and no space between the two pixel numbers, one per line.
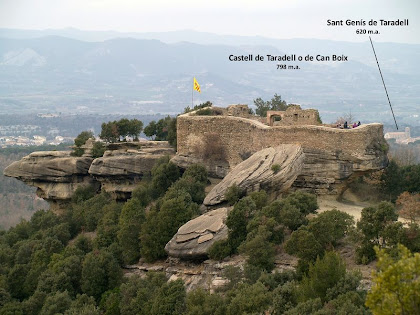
(119,171)
(49,166)
(329,172)
(195,237)
(272,169)
(56,174)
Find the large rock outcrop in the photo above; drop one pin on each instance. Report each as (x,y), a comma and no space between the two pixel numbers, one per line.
(272,169)
(119,171)
(194,238)
(56,174)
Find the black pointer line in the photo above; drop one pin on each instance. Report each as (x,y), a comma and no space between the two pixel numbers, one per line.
(383,82)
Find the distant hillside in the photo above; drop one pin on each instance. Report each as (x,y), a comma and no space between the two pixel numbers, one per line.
(146,76)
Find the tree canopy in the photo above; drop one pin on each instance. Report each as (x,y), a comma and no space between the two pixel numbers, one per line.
(276,103)
(113,131)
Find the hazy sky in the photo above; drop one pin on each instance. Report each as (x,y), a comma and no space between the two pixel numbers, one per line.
(271,18)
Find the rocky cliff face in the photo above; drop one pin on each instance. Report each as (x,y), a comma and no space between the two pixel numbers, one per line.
(120,170)
(57,175)
(272,169)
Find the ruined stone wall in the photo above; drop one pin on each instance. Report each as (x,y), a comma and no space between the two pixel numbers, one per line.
(238,110)
(240,137)
(293,116)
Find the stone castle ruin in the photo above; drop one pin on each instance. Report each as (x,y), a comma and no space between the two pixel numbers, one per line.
(332,155)
(293,116)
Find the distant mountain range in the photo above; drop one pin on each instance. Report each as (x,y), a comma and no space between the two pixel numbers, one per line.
(138,73)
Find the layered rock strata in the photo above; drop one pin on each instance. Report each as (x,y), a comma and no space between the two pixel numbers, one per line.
(272,169)
(57,174)
(194,238)
(119,171)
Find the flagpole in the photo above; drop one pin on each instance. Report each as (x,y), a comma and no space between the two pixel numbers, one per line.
(192,95)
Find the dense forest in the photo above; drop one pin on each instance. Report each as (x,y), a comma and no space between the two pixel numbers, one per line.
(73,263)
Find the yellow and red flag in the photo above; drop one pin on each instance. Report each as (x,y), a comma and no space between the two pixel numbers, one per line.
(196,86)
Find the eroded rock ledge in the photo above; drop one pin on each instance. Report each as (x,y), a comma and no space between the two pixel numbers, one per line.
(272,169)
(57,175)
(119,171)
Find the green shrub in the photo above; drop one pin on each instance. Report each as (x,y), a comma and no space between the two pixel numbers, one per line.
(219,250)
(204,112)
(110,302)
(318,117)
(330,226)
(260,198)
(249,299)
(129,227)
(113,131)
(198,172)
(143,194)
(201,302)
(137,293)
(98,149)
(285,297)
(77,152)
(350,282)
(57,303)
(83,193)
(292,217)
(87,214)
(275,168)
(79,141)
(82,138)
(276,230)
(169,299)
(164,173)
(373,227)
(304,245)
(305,202)
(163,130)
(189,185)
(260,251)
(100,272)
(323,275)
(272,280)
(306,307)
(161,224)
(106,232)
(238,219)
(197,107)
(233,194)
